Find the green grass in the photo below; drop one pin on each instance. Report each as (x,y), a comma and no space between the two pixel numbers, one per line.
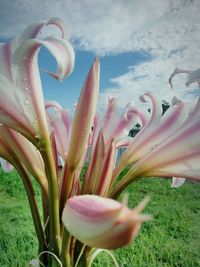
(172,238)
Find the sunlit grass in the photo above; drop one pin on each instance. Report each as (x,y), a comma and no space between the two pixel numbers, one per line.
(172,238)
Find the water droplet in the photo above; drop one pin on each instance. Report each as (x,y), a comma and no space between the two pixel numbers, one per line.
(26,102)
(35,121)
(28,90)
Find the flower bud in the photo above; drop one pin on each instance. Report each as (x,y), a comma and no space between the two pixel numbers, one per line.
(102,222)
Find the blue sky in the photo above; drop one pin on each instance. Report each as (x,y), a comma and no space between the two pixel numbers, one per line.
(140,43)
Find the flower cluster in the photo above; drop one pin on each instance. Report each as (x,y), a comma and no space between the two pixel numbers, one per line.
(80,209)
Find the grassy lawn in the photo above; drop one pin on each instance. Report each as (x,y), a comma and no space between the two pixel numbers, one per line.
(172,238)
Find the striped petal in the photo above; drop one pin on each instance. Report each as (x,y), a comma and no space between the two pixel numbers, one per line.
(155,131)
(60,122)
(102,222)
(21,149)
(84,116)
(21,97)
(177,182)
(176,154)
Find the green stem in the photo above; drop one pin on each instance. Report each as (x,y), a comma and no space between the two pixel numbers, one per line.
(83,255)
(65,252)
(54,222)
(66,187)
(130,177)
(33,206)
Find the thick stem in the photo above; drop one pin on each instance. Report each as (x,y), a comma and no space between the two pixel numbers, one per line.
(65,252)
(54,221)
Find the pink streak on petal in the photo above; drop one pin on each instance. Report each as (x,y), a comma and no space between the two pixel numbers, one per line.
(53,104)
(177,182)
(61,25)
(6,166)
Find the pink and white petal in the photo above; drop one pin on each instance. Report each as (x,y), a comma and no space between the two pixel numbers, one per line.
(52,104)
(177,156)
(32,31)
(84,116)
(156,134)
(64,55)
(14,112)
(156,109)
(27,79)
(123,142)
(110,117)
(186,167)
(67,120)
(175,72)
(177,182)
(6,166)
(61,136)
(24,150)
(105,177)
(95,164)
(5,59)
(124,124)
(61,25)
(90,210)
(105,223)
(193,76)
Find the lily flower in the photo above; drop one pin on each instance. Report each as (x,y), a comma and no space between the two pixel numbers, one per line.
(156,128)
(21,97)
(192,76)
(177,154)
(101,222)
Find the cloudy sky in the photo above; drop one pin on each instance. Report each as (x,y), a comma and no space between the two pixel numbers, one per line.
(140,43)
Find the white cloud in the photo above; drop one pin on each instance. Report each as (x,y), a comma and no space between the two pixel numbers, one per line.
(168,30)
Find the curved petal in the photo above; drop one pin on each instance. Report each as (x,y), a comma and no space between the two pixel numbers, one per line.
(178,155)
(22,105)
(175,72)
(32,31)
(177,182)
(21,97)
(193,76)
(52,104)
(6,166)
(27,154)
